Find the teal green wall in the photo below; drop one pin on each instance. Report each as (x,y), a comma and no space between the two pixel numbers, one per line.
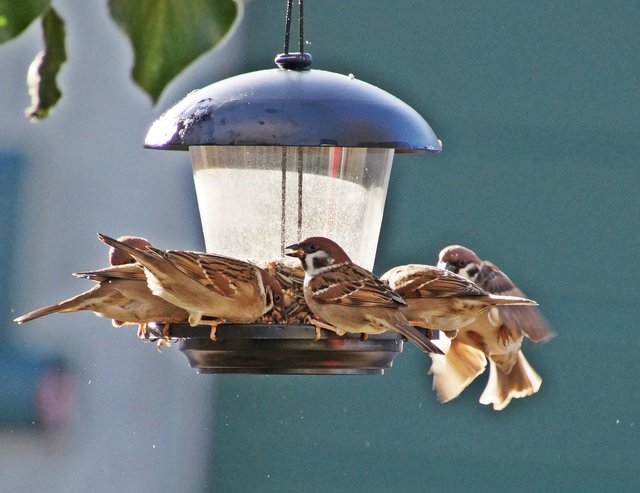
(538,106)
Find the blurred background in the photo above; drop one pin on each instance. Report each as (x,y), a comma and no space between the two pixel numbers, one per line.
(537,105)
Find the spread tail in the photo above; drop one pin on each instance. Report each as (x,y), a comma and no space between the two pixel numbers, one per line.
(521,381)
(453,372)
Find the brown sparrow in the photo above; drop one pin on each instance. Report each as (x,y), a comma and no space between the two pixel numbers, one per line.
(349,298)
(497,334)
(206,284)
(440,299)
(121,294)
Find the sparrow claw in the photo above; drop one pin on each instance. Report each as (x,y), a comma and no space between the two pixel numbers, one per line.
(165,340)
(310,320)
(214,327)
(162,343)
(420,325)
(142,331)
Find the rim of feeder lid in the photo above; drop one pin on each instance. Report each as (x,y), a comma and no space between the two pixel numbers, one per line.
(279,107)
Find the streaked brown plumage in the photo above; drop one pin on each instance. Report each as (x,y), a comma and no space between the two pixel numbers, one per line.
(440,299)
(217,286)
(348,297)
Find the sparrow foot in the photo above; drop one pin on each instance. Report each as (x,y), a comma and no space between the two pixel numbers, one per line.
(165,340)
(318,325)
(142,331)
(214,327)
(162,343)
(420,325)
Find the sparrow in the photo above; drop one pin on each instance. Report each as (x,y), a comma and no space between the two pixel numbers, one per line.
(496,335)
(440,299)
(348,297)
(205,284)
(121,294)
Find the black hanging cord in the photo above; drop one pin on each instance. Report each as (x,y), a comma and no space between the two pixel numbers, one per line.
(292,61)
(299,60)
(287,26)
(283,201)
(300,166)
(301,25)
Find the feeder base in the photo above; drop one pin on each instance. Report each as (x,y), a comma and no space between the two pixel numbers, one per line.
(285,349)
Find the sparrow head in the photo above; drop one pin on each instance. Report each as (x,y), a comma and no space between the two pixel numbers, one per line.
(460,260)
(317,252)
(272,290)
(118,257)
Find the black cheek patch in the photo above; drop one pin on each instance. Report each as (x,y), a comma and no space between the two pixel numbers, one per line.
(318,263)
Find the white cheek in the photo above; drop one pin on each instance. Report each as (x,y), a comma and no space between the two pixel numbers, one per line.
(471,272)
(308,264)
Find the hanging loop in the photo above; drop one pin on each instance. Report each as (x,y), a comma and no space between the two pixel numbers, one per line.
(298,60)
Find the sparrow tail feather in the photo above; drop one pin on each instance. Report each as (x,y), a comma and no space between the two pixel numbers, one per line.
(521,381)
(454,372)
(70,305)
(418,338)
(511,300)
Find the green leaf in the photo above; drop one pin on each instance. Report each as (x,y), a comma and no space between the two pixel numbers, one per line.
(16,15)
(41,77)
(167,35)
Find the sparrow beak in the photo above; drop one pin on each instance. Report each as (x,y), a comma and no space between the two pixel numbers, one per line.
(295,251)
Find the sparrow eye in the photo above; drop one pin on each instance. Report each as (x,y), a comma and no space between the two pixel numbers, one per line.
(313,247)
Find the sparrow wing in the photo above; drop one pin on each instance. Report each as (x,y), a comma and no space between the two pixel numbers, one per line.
(526,319)
(426,281)
(492,279)
(217,272)
(131,272)
(349,284)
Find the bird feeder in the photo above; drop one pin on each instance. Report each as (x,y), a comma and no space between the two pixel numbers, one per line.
(279,155)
